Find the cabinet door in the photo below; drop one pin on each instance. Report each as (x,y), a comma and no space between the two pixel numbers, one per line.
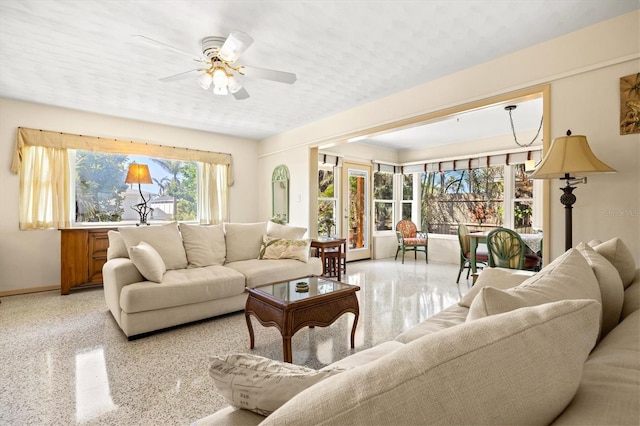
(98,244)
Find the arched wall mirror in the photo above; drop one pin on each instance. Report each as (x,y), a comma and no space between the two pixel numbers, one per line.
(280,194)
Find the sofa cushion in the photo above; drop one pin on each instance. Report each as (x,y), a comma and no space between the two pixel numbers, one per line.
(609,391)
(631,298)
(117,247)
(285,231)
(368,355)
(260,384)
(182,287)
(611,288)
(616,252)
(280,248)
(204,245)
(148,261)
(260,272)
(495,277)
(165,239)
(453,315)
(502,369)
(493,301)
(244,240)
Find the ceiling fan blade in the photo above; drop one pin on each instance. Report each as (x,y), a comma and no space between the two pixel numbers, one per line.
(181,75)
(241,94)
(235,44)
(164,45)
(267,74)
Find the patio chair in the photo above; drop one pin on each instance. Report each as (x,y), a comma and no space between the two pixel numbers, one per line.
(482,257)
(507,250)
(410,239)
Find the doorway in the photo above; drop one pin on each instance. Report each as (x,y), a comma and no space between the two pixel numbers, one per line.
(356,202)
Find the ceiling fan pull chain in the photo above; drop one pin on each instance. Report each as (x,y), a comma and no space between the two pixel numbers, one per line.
(513,129)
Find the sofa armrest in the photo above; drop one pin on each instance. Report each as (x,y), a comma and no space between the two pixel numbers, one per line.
(116,274)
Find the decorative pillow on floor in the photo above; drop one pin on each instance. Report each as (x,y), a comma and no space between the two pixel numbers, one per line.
(260,384)
(520,367)
(611,288)
(165,239)
(616,252)
(148,261)
(204,245)
(285,231)
(278,248)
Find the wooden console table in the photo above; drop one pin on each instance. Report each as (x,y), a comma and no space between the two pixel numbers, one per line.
(83,252)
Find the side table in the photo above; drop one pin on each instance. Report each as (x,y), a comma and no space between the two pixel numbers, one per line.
(333,253)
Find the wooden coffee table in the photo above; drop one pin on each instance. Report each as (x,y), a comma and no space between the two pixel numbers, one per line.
(282,306)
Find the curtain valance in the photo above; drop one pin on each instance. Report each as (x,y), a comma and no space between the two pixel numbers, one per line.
(59,140)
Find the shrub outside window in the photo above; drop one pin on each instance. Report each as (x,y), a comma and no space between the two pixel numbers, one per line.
(383,201)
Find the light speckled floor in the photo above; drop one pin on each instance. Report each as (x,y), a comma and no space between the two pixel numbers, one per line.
(65,361)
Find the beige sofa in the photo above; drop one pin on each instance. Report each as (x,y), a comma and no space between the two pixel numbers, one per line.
(558,347)
(161,276)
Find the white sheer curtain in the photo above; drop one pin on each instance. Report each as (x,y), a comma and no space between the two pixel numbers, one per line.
(213,193)
(45,179)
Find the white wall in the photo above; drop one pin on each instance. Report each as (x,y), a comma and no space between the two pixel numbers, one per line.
(583,67)
(31,259)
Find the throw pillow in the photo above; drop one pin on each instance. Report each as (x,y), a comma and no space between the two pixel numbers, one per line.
(117,247)
(494,277)
(616,252)
(611,288)
(515,368)
(285,231)
(243,240)
(278,248)
(165,239)
(260,384)
(204,245)
(148,261)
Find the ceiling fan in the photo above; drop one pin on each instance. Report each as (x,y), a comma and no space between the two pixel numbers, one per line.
(219,68)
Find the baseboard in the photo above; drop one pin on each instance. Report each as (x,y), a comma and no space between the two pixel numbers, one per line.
(29,290)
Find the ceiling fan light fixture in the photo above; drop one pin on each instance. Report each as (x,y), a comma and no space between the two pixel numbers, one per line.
(220,77)
(220,90)
(234,84)
(205,80)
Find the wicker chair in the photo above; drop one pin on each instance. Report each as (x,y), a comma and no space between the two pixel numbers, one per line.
(410,239)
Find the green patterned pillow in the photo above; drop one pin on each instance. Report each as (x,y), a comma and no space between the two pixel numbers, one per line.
(280,248)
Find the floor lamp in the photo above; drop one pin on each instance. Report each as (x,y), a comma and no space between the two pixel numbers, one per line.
(567,156)
(139,173)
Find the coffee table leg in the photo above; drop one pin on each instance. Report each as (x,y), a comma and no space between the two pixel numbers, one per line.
(286,349)
(353,330)
(250,327)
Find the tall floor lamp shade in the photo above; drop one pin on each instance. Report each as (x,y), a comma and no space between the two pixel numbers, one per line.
(139,173)
(569,155)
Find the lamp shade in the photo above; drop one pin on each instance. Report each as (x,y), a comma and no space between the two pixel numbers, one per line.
(568,155)
(138,173)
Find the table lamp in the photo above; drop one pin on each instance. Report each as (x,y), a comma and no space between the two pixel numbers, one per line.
(139,173)
(569,155)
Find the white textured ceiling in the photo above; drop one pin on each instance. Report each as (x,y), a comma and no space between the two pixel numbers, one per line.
(81,54)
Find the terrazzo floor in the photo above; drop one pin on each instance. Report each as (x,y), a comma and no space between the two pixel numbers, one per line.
(65,361)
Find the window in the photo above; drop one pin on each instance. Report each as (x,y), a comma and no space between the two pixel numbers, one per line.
(522,200)
(474,197)
(60,183)
(407,196)
(327,202)
(383,201)
(101,195)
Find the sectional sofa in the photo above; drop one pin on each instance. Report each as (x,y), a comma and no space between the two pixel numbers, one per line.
(161,276)
(561,346)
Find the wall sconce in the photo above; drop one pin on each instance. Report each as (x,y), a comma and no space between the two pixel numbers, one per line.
(569,155)
(139,173)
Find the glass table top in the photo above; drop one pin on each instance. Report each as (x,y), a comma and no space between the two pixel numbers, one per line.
(288,290)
